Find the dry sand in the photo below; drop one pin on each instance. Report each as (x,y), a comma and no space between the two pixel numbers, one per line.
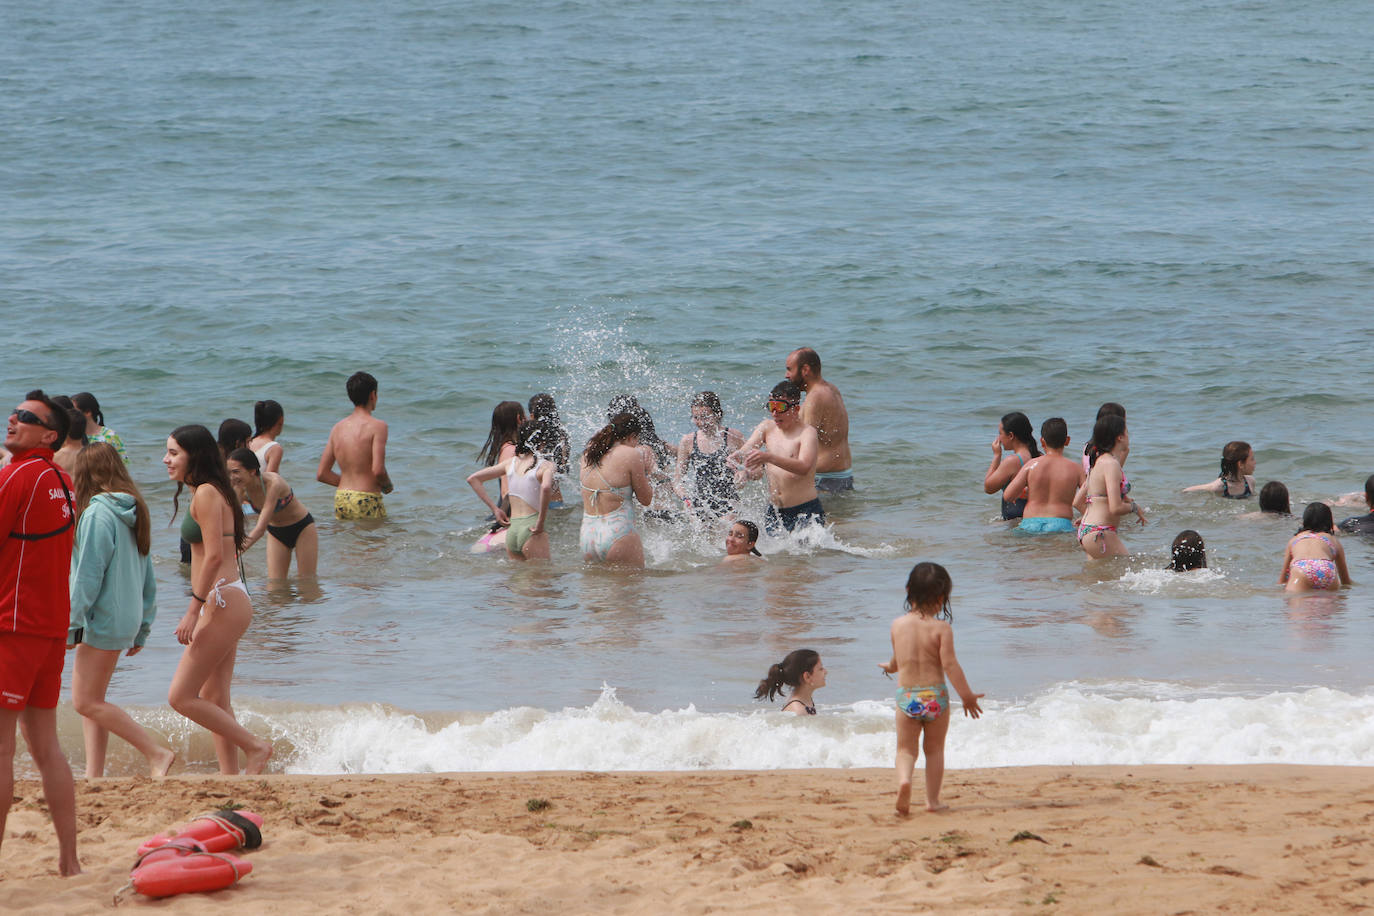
(1154,839)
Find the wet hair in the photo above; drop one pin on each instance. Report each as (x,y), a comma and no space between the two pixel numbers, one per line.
(1188,552)
(100,469)
(786,390)
(549,440)
(56,416)
(361,386)
(76,425)
(61,400)
(1273,497)
(245,457)
(787,673)
(506,418)
(752,532)
(711,402)
(542,405)
(621,427)
(85,402)
(1108,409)
(1231,457)
(808,357)
(1018,426)
(1369,489)
(205,465)
(1105,433)
(524,444)
(233,434)
(627,403)
(265,416)
(1055,432)
(929,584)
(1317,517)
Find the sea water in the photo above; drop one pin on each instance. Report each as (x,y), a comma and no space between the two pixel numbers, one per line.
(967,209)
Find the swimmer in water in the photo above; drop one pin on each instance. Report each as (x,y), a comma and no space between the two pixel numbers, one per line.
(282,518)
(785,449)
(740,541)
(1188,552)
(800,669)
(1237,479)
(614,470)
(1314,558)
(529,489)
(704,479)
(1048,483)
(1014,434)
(269,419)
(357,443)
(1103,497)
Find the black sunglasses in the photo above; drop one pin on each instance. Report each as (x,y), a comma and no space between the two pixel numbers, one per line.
(28,416)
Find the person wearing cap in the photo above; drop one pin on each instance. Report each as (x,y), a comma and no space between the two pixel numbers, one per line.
(785,449)
(37,522)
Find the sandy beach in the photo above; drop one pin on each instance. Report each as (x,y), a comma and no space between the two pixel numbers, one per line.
(1149,839)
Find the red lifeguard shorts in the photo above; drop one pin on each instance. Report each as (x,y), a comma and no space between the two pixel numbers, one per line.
(31,670)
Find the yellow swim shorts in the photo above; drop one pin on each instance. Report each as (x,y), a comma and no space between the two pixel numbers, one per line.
(351,504)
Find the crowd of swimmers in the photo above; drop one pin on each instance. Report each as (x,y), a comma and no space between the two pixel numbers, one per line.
(1045,490)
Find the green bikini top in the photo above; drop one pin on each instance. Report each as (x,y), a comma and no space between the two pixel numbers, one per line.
(190,529)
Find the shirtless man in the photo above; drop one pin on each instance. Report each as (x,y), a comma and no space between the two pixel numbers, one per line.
(786,449)
(1049,483)
(824,409)
(358,444)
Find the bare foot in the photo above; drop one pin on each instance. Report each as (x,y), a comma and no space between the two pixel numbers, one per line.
(936,806)
(904,799)
(257,758)
(68,869)
(162,762)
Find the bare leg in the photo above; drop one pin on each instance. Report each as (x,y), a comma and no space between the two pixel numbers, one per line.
(308,552)
(91,674)
(628,551)
(908,735)
(537,547)
(9,720)
(205,671)
(934,746)
(40,733)
(278,558)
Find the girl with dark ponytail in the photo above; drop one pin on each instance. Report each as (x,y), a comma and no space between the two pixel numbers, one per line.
(268,420)
(801,670)
(1014,434)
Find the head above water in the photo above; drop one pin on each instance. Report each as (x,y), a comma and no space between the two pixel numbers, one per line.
(506,419)
(1317,517)
(1106,433)
(542,406)
(361,387)
(1018,426)
(1188,551)
(792,671)
(85,402)
(1055,432)
(785,392)
(1273,497)
(928,588)
(266,415)
(803,367)
(233,434)
(1369,491)
(622,426)
(1233,455)
(745,535)
(708,403)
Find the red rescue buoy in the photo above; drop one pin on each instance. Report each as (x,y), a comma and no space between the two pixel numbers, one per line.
(187,872)
(217,832)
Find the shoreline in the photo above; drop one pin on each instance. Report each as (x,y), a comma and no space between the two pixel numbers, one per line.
(1120,839)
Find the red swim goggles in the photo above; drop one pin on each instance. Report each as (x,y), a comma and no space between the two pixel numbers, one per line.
(780,405)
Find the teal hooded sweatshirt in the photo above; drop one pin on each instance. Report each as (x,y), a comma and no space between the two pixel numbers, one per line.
(114,592)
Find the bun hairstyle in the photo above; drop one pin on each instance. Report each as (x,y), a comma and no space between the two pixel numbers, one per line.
(1231,457)
(621,427)
(1188,552)
(99,469)
(1317,517)
(205,465)
(265,416)
(1018,426)
(928,585)
(787,673)
(1105,433)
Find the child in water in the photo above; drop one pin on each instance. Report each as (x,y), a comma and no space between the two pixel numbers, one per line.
(1237,480)
(740,541)
(803,672)
(1188,552)
(922,655)
(1315,558)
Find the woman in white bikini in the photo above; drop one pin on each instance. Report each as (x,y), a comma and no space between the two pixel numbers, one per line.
(529,484)
(269,419)
(220,611)
(614,467)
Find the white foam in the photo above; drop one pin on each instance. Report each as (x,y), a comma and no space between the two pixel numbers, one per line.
(1069,724)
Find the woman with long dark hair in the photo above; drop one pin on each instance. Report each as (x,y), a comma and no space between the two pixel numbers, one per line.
(220,610)
(614,468)
(1015,436)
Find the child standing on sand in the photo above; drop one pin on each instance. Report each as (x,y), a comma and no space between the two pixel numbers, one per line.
(922,655)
